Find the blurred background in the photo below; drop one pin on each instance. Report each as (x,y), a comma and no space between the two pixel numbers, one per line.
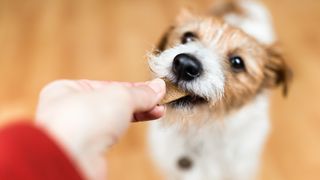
(43,40)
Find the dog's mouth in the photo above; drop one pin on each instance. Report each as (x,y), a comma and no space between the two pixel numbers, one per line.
(189,100)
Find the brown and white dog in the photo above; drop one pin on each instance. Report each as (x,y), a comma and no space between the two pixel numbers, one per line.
(226,62)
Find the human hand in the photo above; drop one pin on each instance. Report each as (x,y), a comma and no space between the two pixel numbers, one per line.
(86,117)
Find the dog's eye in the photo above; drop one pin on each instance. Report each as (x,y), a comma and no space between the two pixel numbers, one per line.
(188,37)
(237,63)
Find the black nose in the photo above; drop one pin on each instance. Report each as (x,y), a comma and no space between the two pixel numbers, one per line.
(186,67)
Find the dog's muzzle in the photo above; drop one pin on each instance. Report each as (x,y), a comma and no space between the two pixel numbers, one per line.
(186,67)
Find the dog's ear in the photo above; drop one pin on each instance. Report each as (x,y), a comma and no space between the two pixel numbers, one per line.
(221,8)
(161,46)
(276,71)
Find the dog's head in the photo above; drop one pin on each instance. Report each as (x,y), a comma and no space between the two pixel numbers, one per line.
(216,63)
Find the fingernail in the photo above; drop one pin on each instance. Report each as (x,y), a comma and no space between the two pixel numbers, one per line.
(157,85)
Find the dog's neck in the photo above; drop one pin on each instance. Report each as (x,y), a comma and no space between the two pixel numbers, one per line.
(203,116)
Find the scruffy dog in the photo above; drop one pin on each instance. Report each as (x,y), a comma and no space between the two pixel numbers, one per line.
(226,61)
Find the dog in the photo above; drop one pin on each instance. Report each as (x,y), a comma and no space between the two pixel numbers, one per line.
(226,61)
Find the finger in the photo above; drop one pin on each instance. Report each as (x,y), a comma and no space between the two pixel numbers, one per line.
(156,113)
(94,85)
(145,97)
(88,85)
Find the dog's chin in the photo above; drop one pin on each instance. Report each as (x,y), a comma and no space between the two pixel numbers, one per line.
(188,101)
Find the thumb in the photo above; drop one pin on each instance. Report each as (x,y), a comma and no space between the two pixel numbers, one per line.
(148,95)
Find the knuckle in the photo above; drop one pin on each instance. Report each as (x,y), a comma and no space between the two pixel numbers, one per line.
(120,92)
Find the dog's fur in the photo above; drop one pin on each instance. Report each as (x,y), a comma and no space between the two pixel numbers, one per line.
(221,137)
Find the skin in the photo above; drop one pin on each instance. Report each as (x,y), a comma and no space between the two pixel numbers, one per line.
(87,117)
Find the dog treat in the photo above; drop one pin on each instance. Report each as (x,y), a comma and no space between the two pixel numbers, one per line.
(172,93)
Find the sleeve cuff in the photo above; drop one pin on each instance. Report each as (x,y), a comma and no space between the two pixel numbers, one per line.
(26,152)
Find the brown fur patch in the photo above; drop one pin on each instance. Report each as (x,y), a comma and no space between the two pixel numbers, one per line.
(163,41)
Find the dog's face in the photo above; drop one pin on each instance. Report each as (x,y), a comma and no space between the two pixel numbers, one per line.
(217,64)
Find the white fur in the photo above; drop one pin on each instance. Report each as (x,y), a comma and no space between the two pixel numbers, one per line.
(221,149)
(257,21)
(224,149)
(210,85)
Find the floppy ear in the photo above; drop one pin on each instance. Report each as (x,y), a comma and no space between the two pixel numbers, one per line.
(276,71)
(161,46)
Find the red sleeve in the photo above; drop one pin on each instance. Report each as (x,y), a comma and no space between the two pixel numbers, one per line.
(28,153)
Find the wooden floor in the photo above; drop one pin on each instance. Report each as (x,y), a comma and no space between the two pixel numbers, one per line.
(42,40)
